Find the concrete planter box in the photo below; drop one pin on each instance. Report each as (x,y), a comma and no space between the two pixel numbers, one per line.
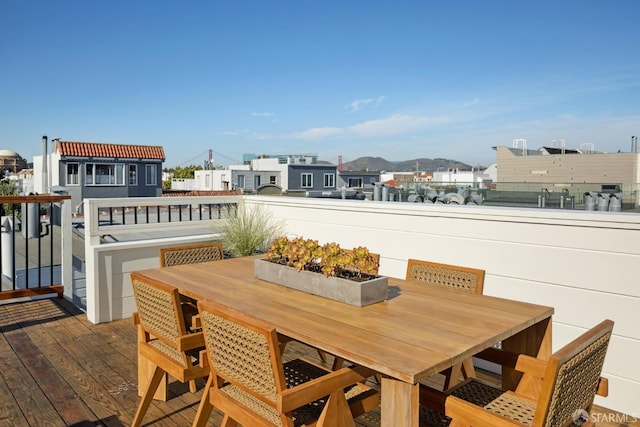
(335,288)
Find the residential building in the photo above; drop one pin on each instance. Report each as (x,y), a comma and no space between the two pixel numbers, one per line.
(557,169)
(363,180)
(99,170)
(288,173)
(23,180)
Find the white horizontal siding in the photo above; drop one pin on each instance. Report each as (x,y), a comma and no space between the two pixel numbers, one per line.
(584,264)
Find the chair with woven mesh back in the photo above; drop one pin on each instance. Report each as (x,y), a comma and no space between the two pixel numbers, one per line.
(463,279)
(568,383)
(163,339)
(251,385)
(190,254)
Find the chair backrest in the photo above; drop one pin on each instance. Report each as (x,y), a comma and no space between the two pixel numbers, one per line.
(159,310)
(190,254)
(445,275)
(572,377)
(244,352)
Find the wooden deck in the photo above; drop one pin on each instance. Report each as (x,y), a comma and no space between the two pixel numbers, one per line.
(58,369)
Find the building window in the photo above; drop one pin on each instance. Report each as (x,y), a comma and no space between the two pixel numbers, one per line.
(72,174)
(151,174)
(272,180)
(104,174)
(133,174)
(307,180)
(240,181)
(355,182)
(329,180)
(256,181)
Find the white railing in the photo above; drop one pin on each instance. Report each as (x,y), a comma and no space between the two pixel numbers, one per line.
(119,239)
(584,264)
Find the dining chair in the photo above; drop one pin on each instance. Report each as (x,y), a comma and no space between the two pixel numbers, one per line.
(163,340)
(251,386)
(568,383)
(190,254)
(463,279)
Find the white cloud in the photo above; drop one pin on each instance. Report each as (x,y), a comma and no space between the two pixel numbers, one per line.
(396,124)
(314,134)
(359,104)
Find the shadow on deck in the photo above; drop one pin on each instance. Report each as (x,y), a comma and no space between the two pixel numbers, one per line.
(58,369)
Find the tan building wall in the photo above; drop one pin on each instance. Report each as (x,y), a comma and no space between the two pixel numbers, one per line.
(580,172)
(570,168)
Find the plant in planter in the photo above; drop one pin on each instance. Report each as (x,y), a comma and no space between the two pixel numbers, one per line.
(249,232)
(329,271)
(329,259)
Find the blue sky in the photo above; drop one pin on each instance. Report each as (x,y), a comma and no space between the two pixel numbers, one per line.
(396,79)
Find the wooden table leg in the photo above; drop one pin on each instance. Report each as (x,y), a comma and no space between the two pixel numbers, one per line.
(534,341)
(400,405)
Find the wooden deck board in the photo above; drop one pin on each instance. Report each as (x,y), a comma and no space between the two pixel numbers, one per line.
(58,369)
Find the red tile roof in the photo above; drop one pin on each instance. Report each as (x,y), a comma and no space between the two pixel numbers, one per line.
(93,149)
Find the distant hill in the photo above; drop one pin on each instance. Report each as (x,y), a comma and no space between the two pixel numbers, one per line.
(380,164)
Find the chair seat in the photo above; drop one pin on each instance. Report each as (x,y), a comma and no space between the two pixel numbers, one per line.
(491,398)
(296,372)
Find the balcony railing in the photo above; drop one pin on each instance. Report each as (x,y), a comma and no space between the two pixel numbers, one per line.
(32,250)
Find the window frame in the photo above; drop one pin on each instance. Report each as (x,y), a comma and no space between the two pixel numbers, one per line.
(153,182)
(332,178)
(309,177)
(95,176)
(76,175)
(133,181)
(355,180)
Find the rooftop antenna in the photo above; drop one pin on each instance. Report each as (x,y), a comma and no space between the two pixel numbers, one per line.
(588,147)
(522,141)
(558,143)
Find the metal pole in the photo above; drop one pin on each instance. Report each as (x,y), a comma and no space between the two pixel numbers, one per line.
(45,172)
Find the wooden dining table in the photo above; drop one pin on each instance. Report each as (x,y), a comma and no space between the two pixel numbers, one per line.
(417,332)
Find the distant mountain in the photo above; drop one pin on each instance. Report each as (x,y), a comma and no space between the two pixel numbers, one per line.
(423,165)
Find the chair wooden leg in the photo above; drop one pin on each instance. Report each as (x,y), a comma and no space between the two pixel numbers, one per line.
(337,363)
(462,370)
(322,355)
(158,374)
(336,412)
(193,387)
(205,408)
(452,376)
(228,422)
(469,370)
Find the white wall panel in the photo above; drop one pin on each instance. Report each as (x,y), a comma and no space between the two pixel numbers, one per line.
(584,264)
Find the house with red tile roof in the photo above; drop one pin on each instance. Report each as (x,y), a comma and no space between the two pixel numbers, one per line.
(100,170)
